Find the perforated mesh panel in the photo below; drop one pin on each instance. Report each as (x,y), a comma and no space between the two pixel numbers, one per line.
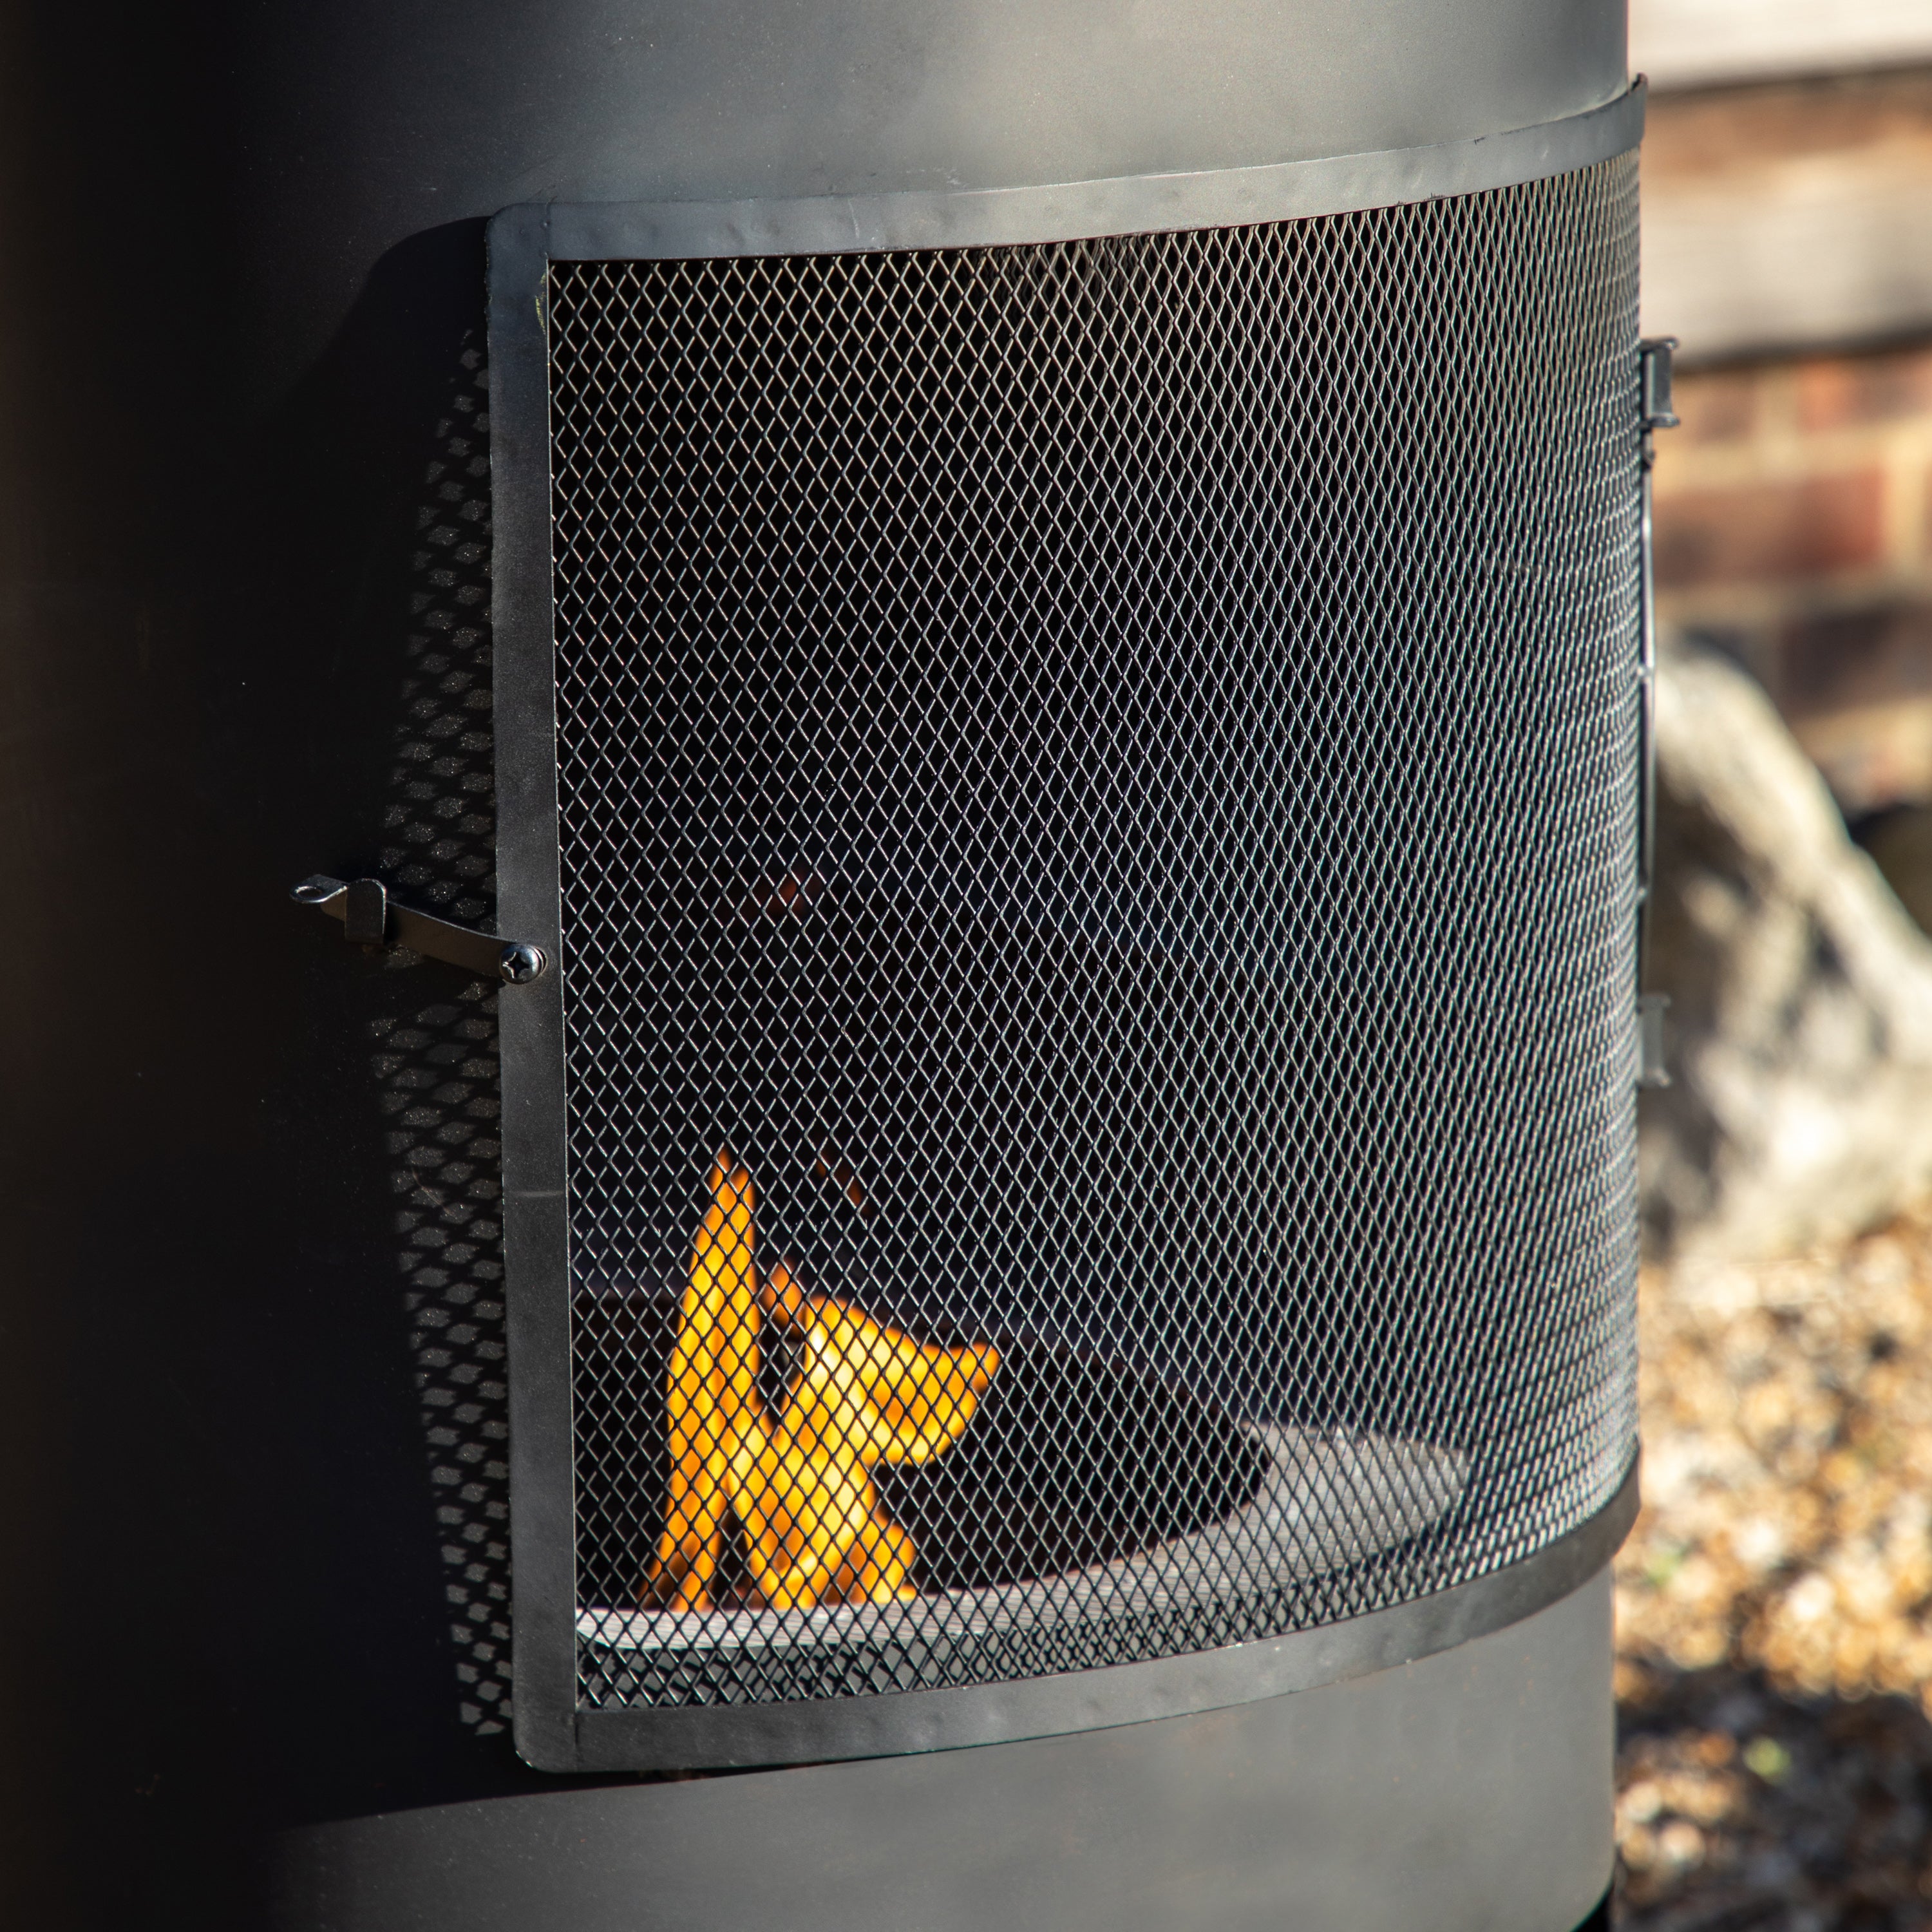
(1104,775)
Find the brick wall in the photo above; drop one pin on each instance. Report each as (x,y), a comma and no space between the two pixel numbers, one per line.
(1783,218)
(1794,528)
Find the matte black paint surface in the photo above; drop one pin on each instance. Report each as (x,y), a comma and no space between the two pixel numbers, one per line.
(242,247)
(1352,1808)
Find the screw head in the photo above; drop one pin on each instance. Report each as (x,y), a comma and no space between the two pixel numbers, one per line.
(520,964)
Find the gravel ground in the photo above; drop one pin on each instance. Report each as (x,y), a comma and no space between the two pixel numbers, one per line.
(1774,1601)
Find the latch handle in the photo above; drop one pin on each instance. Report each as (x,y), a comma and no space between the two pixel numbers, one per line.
(370,917)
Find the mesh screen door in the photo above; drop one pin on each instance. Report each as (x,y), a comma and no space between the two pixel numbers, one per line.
(1095,816)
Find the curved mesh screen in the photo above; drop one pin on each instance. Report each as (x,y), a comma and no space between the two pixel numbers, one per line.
(1098,799)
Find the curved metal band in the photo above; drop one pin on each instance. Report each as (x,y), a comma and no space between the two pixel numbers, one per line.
(1073,211)
(734,1736)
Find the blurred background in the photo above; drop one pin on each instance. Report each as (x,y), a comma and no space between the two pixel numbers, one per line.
(1775,1600)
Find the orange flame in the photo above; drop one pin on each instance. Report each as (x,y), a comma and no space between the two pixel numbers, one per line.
(800,1483)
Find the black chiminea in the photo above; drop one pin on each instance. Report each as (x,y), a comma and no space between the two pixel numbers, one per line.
(956,1239)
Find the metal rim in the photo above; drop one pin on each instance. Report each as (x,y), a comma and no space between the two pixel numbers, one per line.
(743,1736)
(1072,211)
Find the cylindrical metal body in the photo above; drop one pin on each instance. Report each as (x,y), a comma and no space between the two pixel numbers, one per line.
(258,1627)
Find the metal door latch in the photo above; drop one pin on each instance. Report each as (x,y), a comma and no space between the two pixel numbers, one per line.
(372,918)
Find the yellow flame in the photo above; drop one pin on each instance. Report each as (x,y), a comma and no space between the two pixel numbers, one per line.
(800,1483)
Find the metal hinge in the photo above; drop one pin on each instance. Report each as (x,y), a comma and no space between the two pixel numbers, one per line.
(1650,1070)
(371,917)
(1655,356)
(1655,411)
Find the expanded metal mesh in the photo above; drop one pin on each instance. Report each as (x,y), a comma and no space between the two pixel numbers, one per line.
(1102,776)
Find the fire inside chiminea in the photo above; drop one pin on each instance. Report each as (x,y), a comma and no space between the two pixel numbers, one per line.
(1144,893)
(798,1485)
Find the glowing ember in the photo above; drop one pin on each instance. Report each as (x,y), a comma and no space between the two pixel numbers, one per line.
(798,1484)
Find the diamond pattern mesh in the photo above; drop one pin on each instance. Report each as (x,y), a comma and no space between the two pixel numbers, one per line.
(1103,774)
(435,1057)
